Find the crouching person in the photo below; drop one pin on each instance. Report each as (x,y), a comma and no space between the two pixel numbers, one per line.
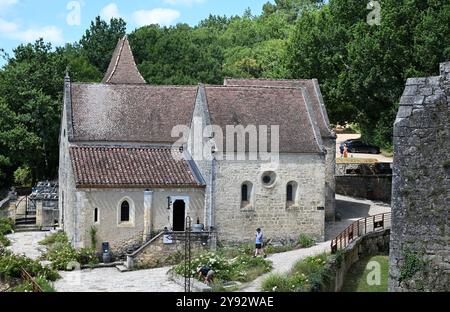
(206,274)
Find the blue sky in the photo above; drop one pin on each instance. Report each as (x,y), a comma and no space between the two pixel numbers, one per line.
(61,21)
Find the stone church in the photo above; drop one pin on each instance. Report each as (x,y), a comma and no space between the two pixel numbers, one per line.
(125,169)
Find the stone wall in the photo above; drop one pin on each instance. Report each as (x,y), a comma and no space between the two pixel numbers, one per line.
(421,184)
(124,236)
(268,208)
(329,145)
(158,252)
(374,187)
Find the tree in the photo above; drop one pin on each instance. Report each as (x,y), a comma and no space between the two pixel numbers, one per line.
(100,39)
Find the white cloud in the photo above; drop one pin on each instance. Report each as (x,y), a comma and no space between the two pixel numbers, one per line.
(110,11)
(163,17)
(48,33)
(183,2)
(6,27)
(7,3)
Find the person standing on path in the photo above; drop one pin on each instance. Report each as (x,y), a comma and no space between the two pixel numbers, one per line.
(259,242)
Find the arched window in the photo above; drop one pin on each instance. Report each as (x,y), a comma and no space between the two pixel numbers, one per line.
(291,193)
(246,194)
(125,211)
(96,215)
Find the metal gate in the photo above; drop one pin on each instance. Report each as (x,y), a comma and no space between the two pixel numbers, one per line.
(26,210)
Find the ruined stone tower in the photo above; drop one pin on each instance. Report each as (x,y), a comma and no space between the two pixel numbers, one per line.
(420,235)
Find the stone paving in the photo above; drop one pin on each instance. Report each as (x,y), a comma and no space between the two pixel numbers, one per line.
(111,280)
(27,243)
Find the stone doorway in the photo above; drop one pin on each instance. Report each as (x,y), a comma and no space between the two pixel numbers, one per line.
(179,212)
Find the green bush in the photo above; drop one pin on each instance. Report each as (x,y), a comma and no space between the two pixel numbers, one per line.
(309,274)
(87,256)
(6,226)
(241,268)
(10,267)
(305,241)
(22,176)
(59,237)
(246,268)
(61,253)
(4,241)
(276,283)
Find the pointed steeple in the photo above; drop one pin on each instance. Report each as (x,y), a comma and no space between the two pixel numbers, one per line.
(123,69)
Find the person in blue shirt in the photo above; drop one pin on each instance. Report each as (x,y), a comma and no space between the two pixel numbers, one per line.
(259,242)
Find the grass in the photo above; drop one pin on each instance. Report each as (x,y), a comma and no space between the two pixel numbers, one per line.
(307,275)
(355,160)
(387,152)
(356,278)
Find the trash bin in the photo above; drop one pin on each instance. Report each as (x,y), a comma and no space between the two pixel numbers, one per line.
(106,253)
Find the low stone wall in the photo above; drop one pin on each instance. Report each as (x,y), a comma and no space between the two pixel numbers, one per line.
(372,244)
(168,248)
(375,187)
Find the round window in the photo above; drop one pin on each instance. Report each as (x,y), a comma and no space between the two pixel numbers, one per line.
(268,178)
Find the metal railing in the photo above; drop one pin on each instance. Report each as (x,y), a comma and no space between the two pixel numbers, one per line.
(360,228)
(27,277)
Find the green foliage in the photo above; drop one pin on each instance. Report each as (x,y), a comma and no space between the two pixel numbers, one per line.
(305,241)
(356,277)
(413,263)
(99,41)
(93,234)
(22,176)
(307,275)
(58,237)
(10,267)
(6,227)
(62,255)
(241,268)
(26,286)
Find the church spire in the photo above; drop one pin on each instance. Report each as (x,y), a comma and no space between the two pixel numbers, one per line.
(123,69)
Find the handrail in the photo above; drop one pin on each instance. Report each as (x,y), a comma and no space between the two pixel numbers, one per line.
(360,228)
(27,277)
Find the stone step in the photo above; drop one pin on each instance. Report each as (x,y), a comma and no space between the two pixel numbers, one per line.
(122,268)
(27,228)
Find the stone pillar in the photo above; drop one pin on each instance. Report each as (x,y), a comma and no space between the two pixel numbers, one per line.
(39,212)
(148,199)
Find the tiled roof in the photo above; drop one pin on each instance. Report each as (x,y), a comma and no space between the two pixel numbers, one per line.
(130,113)
(310,85)
(267,106)
(123,69)
(102,166)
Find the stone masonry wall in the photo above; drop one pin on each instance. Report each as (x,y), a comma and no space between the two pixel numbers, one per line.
(420,235)
(268,209)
